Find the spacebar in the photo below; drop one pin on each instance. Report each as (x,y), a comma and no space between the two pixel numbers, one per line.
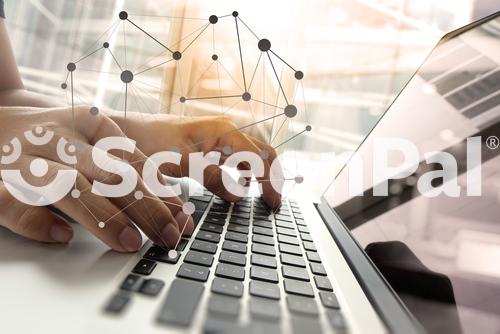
(180,303)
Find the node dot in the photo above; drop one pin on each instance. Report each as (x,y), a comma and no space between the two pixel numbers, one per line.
(264,45)
(71,67)
(94,111)
(299,75)
(182,99)
(246,96)
(308,128)
(101,224)
(38,130)
(64,85)
(213,19)
(299,179)
(123,15)
(71,148)
(264,154)
(242,181)
(235,14)
(139,195)
(39,167)
(6,149)
(75,193)
(215,57)
(172,253)
(188,208)
(177,55)
(290,111)
(227,150)
(127,76)
(105,45)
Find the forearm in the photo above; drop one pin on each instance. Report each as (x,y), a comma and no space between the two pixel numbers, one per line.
(24,98)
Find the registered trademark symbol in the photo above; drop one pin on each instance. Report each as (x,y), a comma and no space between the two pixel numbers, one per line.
(492,142)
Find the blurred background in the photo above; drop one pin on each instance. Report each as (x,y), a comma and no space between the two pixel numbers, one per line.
(356,55)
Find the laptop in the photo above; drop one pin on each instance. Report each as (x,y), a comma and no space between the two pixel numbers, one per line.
(402,263)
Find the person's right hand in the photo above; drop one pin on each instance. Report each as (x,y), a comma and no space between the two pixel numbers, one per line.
(161,219)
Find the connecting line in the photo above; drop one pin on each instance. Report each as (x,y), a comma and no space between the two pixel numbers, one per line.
(155,66)
(125,111)
(116,61)
(194,39)
(241,55)
(274,53)
(73,111)
(292,137)
(90,54)
(267,104)
(150,36)
(262,120)
(120,211)
(277,78)
(254,71)
(278,131)
(248,28)
(212,97)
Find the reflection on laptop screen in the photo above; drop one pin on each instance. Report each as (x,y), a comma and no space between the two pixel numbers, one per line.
(440,254)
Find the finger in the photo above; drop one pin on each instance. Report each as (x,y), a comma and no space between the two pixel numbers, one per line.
(97,214)
(213,182)
(33,222)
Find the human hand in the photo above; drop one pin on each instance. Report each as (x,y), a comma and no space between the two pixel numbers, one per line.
(161,219)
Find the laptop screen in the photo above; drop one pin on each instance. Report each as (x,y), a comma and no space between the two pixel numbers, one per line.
(433,229)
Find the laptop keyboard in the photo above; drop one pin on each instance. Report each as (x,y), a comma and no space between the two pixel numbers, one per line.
(276,246)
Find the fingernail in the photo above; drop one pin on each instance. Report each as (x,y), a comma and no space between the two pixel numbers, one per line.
(61,233)
(182,219)
(171,234)
(130,239)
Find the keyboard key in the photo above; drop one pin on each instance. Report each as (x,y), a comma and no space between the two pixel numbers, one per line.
(227,287)
(286,231)
(195,257)
(160,254)
(309,246)
(238,228)
(180,304)
(264,274)
(283,224)
(132,283)
(225,306)
(208,236)
(144,267)
(293,260)
(241,209)
(191,271)
(215,220)
(265,308)
(263,289)
(309,324)
(232,258)
(313,257)
(288,240)
(317,269)
(237,247)
(260,217)
(230,271)
(204,246)
(323,283)
(182,244)
(298,288)
(202,198)
(238,237)
(241,215)
(290,249)
(262,223)
(295,272)
(210,227)
(300,222)
(117,303)
(264,261)
(306,237)
(262,231)
(263,249)
(152,287)
(283,218)
(240,221)
(303,229)
(262,239)
(336,320)
(298,304)
(329,300)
